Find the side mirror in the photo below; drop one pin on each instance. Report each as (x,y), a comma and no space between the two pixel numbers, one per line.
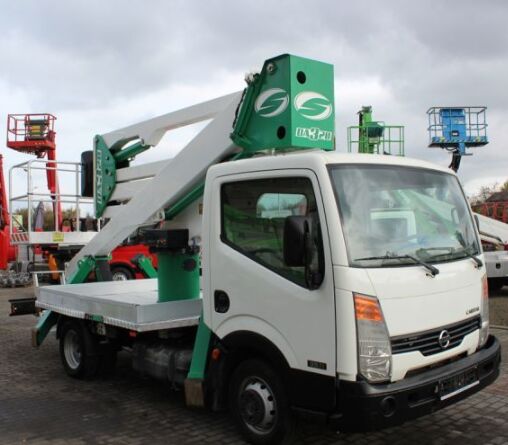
(296,229)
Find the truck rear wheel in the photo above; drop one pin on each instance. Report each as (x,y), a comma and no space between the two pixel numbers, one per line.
(259,404)
(78,350)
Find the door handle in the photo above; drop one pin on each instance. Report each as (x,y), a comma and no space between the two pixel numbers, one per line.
(221,301)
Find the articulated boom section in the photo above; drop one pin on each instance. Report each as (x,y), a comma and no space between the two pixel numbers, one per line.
(170,179)
(288,106)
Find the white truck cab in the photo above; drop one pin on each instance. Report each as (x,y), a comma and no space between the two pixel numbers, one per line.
(389,323)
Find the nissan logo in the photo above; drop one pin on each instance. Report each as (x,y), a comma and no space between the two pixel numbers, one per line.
(444,339)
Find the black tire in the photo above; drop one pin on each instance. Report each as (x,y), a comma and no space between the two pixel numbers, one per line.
(120,273)
(78,350)
(495,284)
(259,404)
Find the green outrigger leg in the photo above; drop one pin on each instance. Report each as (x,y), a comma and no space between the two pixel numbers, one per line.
(40,331)
(194,394)
(146,266)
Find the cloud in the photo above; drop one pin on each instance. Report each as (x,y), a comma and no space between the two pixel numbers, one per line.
(101,65)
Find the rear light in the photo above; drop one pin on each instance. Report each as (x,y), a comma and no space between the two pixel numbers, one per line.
(374,348)
(484,329)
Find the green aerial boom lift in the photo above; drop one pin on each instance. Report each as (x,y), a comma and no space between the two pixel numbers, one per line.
(374,137)
(257,303)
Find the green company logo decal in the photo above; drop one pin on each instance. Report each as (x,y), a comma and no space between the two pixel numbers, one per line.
(271,102)
(313,106)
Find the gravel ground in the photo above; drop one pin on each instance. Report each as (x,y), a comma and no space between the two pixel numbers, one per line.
(498,304)
(40,405)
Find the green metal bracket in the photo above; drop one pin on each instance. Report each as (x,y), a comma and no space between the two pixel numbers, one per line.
(107,161)
(130,152)
(85,266)
(41,330)
(200,352)
(183,203)
(105,175)
(288,106)
(146,266)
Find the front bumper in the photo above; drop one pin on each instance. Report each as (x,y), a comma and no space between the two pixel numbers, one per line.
(365,407)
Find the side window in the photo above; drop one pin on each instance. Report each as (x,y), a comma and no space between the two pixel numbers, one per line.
(253,218)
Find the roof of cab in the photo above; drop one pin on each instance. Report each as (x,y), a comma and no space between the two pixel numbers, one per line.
(313,158)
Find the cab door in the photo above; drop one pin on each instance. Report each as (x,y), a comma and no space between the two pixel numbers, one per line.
(251,286)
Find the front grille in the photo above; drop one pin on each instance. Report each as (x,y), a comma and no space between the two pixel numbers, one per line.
(428,342)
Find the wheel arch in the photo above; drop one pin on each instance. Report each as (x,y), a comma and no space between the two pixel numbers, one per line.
(236,330)
(243,342)
(237,347)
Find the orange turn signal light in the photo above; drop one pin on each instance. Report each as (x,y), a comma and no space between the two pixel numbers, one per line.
(367,308)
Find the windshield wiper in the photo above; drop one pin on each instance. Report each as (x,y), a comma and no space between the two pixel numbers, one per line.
(432,269)
(468,254)
(452,253)
(466,250)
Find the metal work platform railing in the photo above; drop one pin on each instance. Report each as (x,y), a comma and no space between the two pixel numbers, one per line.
(31,133)
(30,203)
(457,127)
(379,139)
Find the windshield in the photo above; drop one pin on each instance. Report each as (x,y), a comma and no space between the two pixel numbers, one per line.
(390,214)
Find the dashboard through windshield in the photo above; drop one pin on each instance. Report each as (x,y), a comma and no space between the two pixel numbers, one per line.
(390,214)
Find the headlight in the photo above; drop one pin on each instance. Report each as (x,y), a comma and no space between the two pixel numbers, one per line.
(484,329)
(374,349)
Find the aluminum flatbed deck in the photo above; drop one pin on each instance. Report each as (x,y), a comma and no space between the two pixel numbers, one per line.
(126,304)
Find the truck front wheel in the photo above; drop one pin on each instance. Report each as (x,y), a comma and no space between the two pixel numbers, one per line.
(259,404)
(78,350)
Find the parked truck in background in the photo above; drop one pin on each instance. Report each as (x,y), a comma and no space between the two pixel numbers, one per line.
(494,239)
(349,288)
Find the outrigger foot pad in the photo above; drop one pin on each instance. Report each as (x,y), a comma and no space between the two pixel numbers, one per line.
(194,394)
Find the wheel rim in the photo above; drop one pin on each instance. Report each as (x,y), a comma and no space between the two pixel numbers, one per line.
(257,405)
(119,276)
(72,349)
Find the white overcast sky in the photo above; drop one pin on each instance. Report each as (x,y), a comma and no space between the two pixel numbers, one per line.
(99,65)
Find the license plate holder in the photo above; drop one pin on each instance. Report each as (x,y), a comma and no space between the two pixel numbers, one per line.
(458,383)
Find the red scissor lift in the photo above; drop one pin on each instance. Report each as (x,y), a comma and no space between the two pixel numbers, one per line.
(35,134)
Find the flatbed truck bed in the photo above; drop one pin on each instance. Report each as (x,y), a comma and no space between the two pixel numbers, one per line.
(125,304)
